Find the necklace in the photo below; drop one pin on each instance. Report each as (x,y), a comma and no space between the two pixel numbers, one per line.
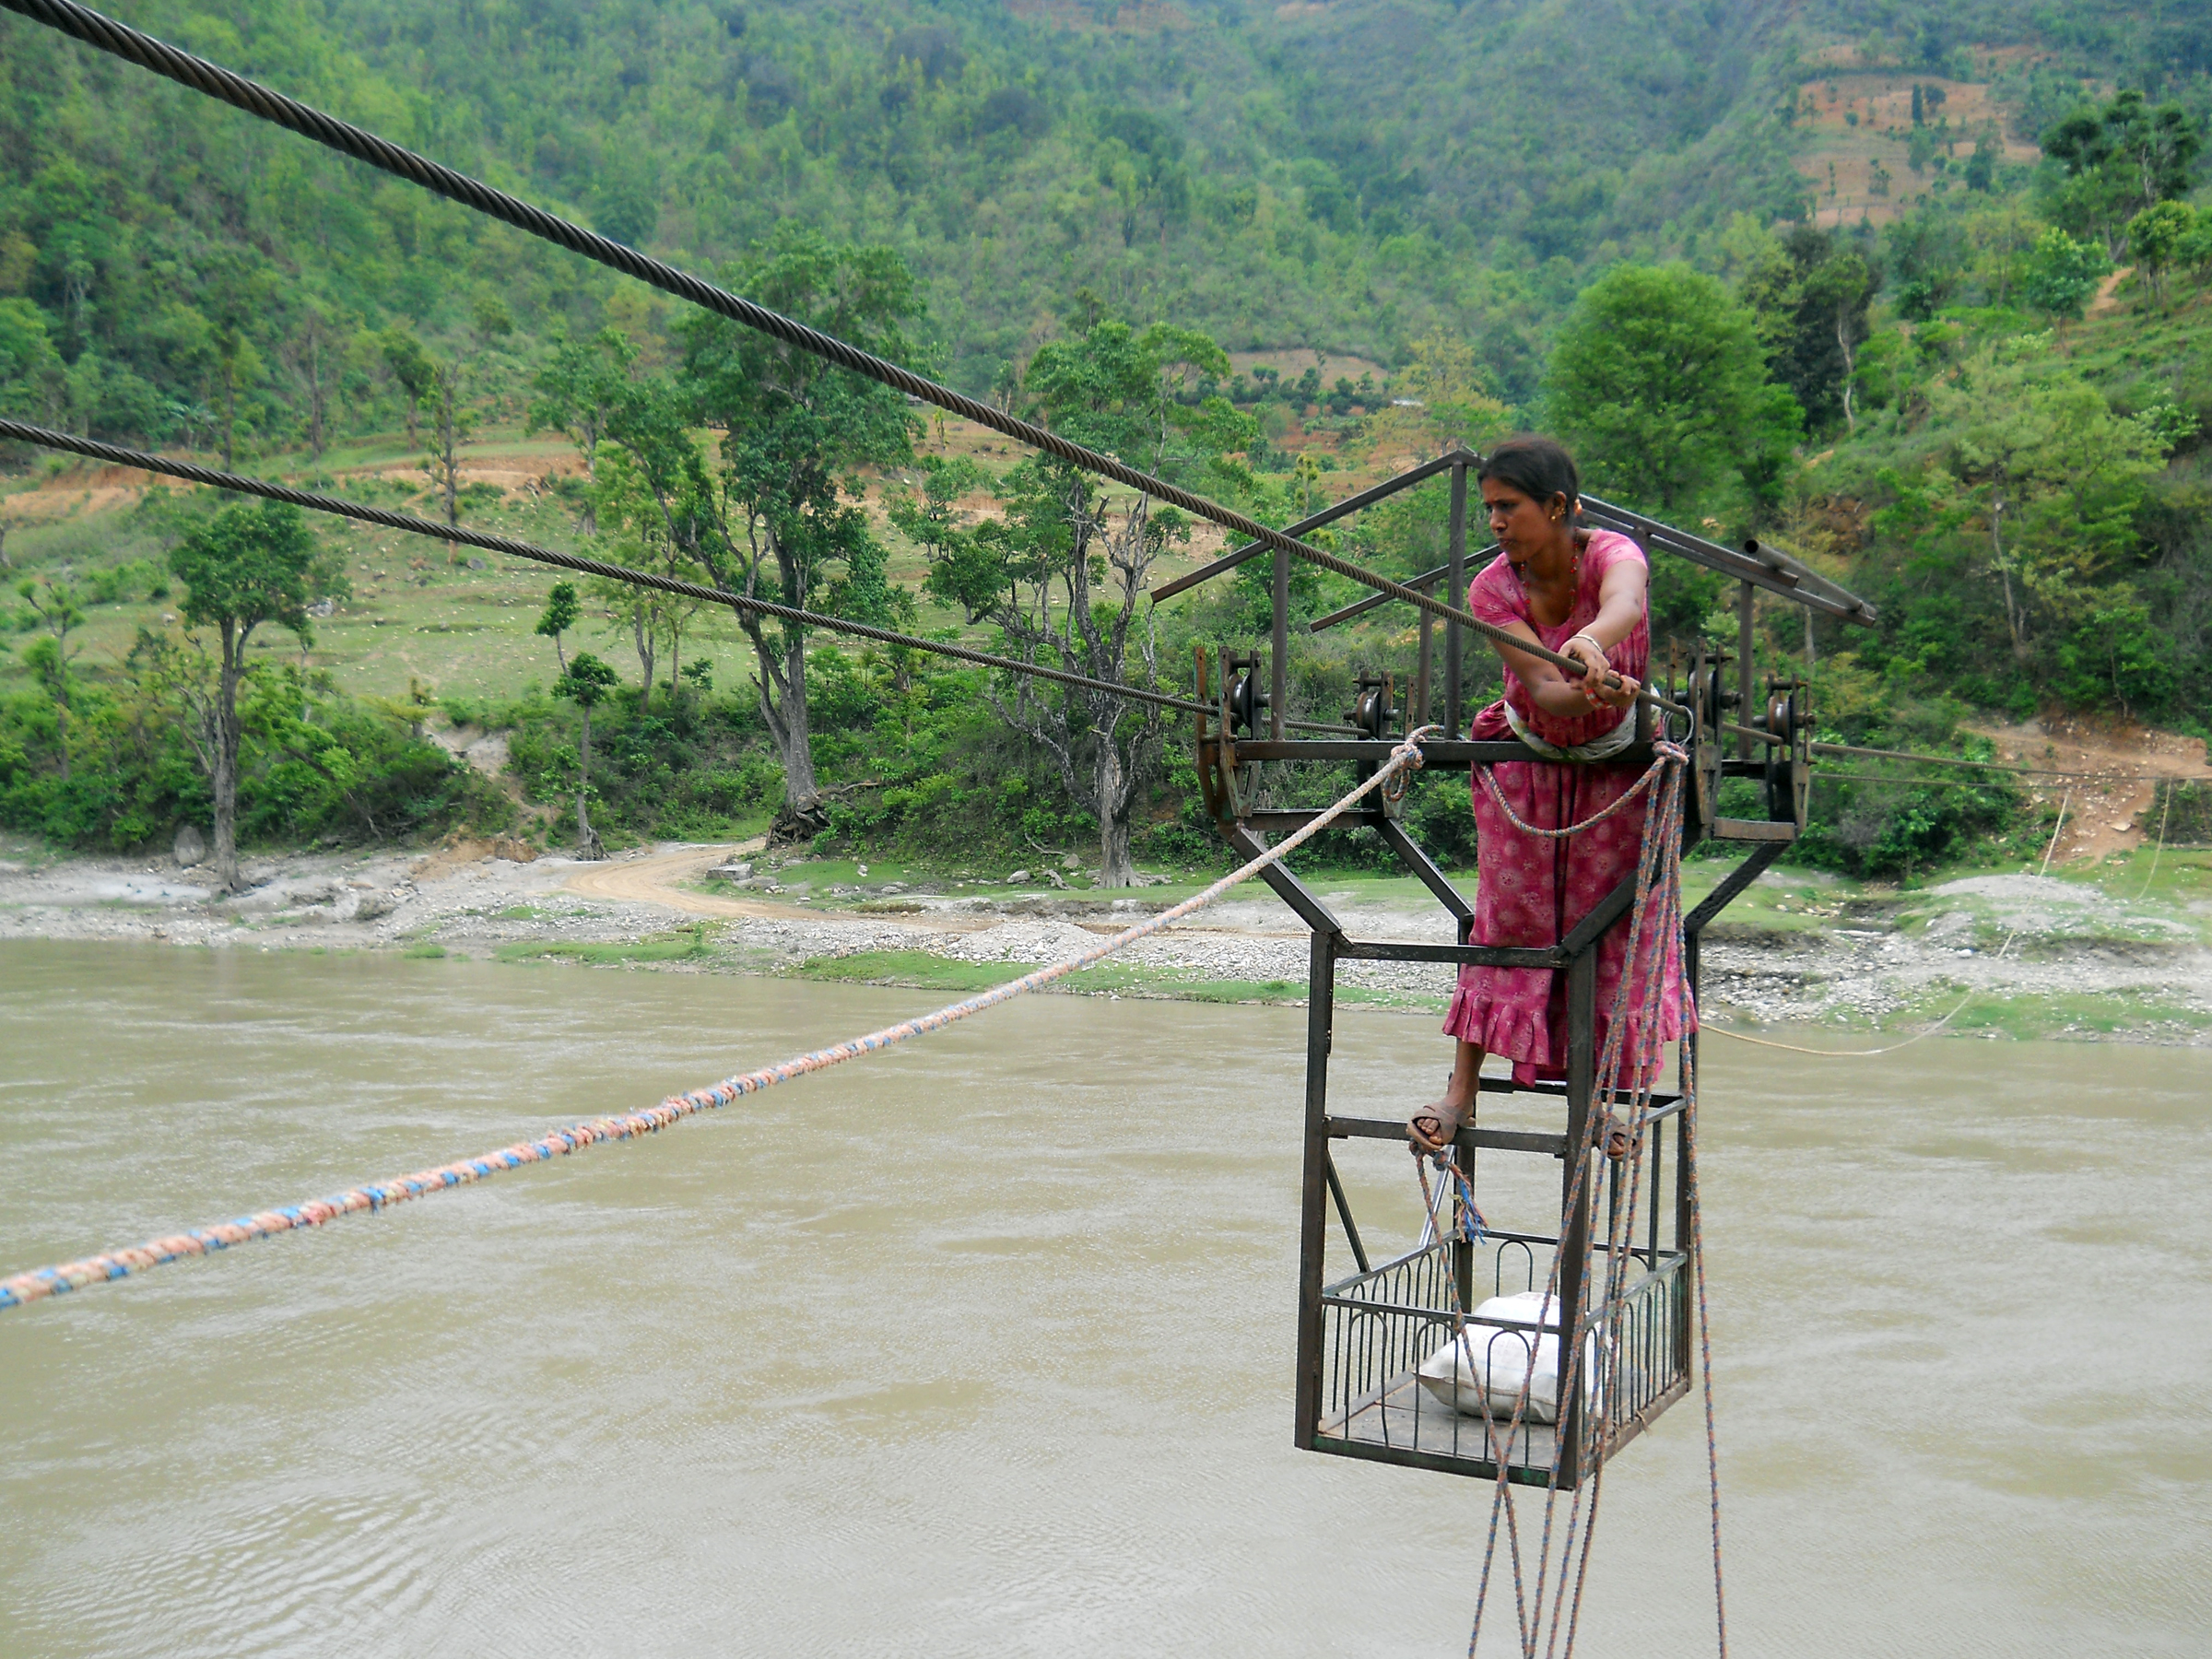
(1575,589)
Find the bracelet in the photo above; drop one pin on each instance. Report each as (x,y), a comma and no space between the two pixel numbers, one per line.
(1593,644)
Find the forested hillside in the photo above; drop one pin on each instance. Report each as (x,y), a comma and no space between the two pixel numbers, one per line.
(1944,267)
(1349,176)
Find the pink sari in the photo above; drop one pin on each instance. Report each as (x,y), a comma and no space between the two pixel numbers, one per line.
(1531,891)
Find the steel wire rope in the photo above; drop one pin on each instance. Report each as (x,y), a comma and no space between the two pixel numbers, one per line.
(338,507)
(2159,852)
(38,1284)
(133,46)
(2003,766)
(1759,736)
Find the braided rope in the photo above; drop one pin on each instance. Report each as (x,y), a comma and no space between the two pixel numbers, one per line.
(119,40)
(1497,795)
(1654,923)
(42,1282)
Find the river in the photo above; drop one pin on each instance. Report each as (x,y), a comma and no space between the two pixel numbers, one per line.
(983,1345)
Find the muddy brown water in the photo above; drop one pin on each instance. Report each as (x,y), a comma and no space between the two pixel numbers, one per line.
(983,1346)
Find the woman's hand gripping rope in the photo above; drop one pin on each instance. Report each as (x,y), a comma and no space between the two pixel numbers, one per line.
(1604,687)
(41,1283)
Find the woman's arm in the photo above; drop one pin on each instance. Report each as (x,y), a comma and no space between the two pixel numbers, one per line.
(1620,608)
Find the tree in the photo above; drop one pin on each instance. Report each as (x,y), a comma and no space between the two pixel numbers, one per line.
(2117,160)
(2061,274)
(412,368)
(1062,570)
(587,683)
(1447,400)
(1982,165)
(32,375)
(242,293)
(783,510)
(59,613)
(561,611)
(451,422)
(2040,473)
(310,355)
(2195,248)
(1925,261)
(489,320)
(1810,291)
(2156,238)
(577,392)
(1660,385)
(644,540)
(1837,292)
(248,565)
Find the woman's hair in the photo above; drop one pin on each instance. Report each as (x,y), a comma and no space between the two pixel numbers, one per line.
(1538,467)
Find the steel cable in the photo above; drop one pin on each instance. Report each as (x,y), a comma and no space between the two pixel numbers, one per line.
(407,521)
(133,46)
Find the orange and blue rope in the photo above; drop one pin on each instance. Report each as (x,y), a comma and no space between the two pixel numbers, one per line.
(44,1282)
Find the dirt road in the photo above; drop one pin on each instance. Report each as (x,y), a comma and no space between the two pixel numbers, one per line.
(659,881)
(2111,811)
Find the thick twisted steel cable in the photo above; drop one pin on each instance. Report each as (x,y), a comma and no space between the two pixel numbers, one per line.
(119,40)
(38,1284)
(407,521)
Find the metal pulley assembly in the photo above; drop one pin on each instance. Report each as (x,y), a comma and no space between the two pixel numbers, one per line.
(1373,704)
(1707,699)
(1227,785)
(1789,764)
(1244,698)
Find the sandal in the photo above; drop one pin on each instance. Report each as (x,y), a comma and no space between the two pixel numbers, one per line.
(1448,1119)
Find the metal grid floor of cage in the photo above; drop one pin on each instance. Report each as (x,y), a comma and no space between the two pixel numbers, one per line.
(1379,1327)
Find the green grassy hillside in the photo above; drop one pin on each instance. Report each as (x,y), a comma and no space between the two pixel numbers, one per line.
(1360,200)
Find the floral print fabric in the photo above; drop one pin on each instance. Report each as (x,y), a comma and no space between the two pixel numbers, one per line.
(1531,889)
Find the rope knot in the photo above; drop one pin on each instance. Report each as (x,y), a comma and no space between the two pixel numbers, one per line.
(1407,759)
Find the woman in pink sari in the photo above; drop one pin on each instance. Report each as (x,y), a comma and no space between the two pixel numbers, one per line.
(1579,592)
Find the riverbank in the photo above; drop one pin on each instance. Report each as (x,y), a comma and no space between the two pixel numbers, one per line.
(2070,954)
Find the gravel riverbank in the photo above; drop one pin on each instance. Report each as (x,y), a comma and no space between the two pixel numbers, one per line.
(2044,956)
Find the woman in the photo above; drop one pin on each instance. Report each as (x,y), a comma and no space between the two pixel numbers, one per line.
(1579,592)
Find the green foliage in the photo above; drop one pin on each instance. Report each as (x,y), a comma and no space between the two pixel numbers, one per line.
(561,613)
(2061,272)
(170,273)
(313,764)
(1902,826)
(2119,159)
(588,681)
(2156,238)
(579,387)
(1659,384)
(1810,291)
(248,565)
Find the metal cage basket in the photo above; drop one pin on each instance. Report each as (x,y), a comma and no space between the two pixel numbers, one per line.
(1384,1328)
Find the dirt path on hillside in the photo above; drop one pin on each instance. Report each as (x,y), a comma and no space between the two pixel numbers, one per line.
(656,881)
(2112,810)
(659,881)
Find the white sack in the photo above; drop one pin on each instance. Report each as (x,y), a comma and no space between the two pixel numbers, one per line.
(1487,1361)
